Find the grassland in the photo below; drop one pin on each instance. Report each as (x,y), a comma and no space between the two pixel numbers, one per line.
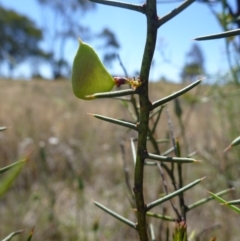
(76,159)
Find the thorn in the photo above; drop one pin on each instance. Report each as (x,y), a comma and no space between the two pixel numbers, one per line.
(203,178)
(228,148)
(198,161)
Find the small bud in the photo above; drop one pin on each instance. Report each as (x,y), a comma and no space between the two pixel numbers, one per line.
(180,233)
(120,81)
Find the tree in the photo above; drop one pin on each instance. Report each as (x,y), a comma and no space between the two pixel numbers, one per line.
(19,40)
(194,65)
(66,19)
(111,45)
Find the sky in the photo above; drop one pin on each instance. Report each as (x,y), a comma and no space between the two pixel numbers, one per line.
(174,38)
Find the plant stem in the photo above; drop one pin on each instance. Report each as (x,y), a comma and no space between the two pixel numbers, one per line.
(145,108)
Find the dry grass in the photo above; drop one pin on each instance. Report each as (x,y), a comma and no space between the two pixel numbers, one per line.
(70,148)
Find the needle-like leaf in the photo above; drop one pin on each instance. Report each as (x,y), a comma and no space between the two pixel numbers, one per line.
(226,34)
(3,128)
(115,215)
(133,151)
(160,216)
(234,202)
(174,12)
(235,142)
(116,121)
(173,194)
(171,159)
(152,232)
(129,6)
(4,169)
(111,94)
(175,95)
(225,202)
(204,200)
(9,237)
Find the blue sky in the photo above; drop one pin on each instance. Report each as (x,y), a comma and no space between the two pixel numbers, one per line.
(174,38)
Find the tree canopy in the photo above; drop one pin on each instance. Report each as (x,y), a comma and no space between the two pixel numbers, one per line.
(194,64)
(20,38)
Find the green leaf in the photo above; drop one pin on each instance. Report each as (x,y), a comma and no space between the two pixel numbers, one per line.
(4,169)
(3,128)
(30,235)
(180,233)
(225,202)
(6,183)
(9,237)
(89,76)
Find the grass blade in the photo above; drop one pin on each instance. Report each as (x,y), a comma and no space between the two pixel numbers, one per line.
(30,235)
(9,237)
(4,169)
(225,202)
(9,179)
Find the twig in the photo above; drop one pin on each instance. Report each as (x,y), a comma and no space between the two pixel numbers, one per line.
(129,6)
(174,12)
(126,171)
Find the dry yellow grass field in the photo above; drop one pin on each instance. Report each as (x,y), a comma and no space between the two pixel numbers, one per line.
(76,159)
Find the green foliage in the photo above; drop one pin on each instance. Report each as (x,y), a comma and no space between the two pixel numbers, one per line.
(20,38)
(87,74)
(194,65)
(13,172)
(11,235)
(165,163)
(226,203)
(89,78)
(180,233)
(110,46)
(66,25)
(227,15)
